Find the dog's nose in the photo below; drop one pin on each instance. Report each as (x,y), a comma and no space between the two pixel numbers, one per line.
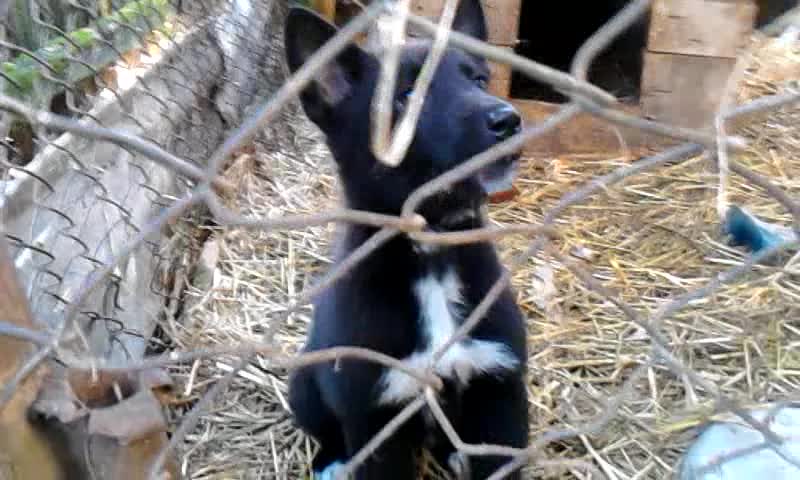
(504,121)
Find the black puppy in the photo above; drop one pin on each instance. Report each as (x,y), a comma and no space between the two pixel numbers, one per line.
(406,299)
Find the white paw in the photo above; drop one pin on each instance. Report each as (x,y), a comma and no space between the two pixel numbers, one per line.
(330,472)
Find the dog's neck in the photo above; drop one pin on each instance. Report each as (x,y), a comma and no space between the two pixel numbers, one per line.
(443,212)
(463,219)
(448,217)
(466,218)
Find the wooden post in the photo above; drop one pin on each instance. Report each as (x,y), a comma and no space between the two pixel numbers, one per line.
(326,8)
(691,52)
(502,19)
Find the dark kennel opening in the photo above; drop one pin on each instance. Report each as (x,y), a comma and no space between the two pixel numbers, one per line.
(552,32)
(770,10)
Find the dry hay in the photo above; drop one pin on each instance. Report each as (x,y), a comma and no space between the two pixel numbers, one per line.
(649,239)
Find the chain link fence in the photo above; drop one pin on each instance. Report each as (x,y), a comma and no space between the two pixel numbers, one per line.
(119,120)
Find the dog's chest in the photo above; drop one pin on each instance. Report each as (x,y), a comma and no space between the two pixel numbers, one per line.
(441,311)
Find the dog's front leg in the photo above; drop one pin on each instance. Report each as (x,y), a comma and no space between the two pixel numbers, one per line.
(395,459)
(494,411)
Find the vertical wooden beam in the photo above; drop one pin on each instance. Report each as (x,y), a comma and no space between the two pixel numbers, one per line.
(701,27)
(691,52)
(502,17)
(500,83)
(326,8)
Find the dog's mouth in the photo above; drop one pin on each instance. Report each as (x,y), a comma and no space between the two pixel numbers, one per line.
(499,176)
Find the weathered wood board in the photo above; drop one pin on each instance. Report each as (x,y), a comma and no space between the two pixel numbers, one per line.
(583,134)
(326,8)
(500,83)
(683,89)
(701,27)
(502,17)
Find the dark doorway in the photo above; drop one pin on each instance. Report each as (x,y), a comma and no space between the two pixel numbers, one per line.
(552,31)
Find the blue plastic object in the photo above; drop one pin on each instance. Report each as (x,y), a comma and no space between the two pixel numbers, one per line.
(748,231)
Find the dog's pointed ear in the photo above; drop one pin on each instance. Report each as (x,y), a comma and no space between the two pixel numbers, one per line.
(304,34)
(470,20)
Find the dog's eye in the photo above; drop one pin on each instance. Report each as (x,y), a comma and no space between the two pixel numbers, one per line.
(482,82)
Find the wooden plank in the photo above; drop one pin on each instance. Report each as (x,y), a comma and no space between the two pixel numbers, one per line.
(583,134)
(15,309)
(682,89)
(502,17)
(326,8)
(500,83)
(26,452)
(701,27)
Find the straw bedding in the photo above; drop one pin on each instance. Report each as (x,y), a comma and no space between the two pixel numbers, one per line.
(655,236)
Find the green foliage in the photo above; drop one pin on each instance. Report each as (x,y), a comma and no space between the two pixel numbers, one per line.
(21,75)
(29,77)
(55,56)
(134,10)
(84,37)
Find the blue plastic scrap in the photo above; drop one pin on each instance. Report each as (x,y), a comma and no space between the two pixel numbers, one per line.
(748,231)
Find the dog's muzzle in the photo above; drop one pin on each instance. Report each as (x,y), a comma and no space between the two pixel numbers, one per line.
(499,176)
(503,122)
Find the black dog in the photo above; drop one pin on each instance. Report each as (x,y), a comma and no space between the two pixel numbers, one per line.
(406,300)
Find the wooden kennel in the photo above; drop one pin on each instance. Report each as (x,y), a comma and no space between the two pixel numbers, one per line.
(686,54)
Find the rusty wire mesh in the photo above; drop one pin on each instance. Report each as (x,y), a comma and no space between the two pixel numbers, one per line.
(86,151)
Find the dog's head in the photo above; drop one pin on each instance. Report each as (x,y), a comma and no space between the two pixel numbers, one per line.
(459,117)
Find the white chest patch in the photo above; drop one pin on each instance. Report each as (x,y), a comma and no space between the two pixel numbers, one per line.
(440,305)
